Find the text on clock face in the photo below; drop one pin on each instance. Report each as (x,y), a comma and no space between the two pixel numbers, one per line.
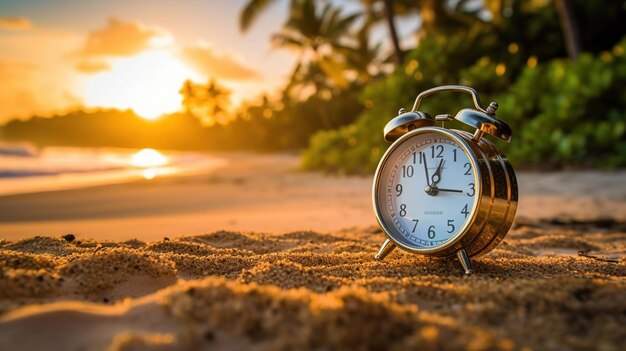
(430,189)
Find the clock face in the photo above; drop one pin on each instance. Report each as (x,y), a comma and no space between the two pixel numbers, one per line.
(427,190)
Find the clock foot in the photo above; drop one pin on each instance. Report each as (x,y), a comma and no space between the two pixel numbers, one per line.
(385,250)
(465,261)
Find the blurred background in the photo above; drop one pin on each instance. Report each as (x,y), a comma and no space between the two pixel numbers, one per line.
(142,118)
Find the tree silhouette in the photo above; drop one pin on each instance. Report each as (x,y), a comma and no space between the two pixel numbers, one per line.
(209,103)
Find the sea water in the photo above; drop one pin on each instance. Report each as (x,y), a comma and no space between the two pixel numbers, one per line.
(25,168)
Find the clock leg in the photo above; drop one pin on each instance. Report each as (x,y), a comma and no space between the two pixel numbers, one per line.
(385,250)
(465,261)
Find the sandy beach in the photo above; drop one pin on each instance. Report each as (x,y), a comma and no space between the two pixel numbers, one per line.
(267,193)
(260,256)
(549,286)
(157,189)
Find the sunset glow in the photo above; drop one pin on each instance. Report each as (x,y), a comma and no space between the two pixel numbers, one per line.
(147,83)
(146,158)
(98,56)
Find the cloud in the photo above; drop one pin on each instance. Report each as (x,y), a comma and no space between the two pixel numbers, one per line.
(33,89)
(15,23)
(91,67)
(15,70)
(119,38)
(207,61)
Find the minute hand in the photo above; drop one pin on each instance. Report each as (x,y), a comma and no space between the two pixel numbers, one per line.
(426,170)
(450,190)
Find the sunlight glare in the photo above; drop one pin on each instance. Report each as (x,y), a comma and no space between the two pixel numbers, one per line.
(149,173)
(147,158)
(147,83)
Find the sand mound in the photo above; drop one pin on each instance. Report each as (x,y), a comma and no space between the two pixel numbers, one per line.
(308,290)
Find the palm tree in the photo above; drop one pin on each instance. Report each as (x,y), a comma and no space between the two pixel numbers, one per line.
(320,38)
(254,8)
(388,10)
(362,55)
(208,102)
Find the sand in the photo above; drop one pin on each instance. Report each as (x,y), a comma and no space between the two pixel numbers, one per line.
(266,193)
(260,256)
(552,285)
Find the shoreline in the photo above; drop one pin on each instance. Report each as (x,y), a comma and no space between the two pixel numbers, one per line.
(267,193)
(84,168)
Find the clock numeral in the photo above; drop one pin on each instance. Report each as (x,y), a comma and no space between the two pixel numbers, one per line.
(407,171)
(398,189)
(469,168)
(402,210)
(439,149)
(454,155)
(450,225)
(471,185)
(465,211)
(422,157)
(431,232)
(415,226)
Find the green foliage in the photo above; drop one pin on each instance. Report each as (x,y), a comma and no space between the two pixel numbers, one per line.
(569,113)
(356,147)
(286,124)
(562,112)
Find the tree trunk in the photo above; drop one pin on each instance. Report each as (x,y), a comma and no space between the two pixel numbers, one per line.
(569,26)
(392,31)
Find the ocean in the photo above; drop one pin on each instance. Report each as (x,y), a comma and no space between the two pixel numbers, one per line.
(25,168)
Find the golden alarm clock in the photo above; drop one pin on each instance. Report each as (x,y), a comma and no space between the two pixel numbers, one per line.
(445,192)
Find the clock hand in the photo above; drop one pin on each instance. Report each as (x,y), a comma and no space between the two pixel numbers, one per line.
(426,171)
(450,190)
(437,175)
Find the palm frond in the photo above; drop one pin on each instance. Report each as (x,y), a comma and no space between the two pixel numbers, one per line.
(289,40)
(251,11)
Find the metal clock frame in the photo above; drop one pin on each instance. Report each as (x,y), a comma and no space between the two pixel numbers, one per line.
(496,184)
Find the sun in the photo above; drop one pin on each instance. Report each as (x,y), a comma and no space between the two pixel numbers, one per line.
(147,83)
(148,158)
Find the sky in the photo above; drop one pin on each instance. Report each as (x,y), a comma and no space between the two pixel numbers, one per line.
(64,54)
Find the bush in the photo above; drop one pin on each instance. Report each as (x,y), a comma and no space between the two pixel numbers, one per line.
(563,113)
(569,113)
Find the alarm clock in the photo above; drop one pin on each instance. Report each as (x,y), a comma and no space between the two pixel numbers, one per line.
(445,192)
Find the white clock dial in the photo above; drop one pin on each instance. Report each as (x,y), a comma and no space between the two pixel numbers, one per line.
(429,190)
